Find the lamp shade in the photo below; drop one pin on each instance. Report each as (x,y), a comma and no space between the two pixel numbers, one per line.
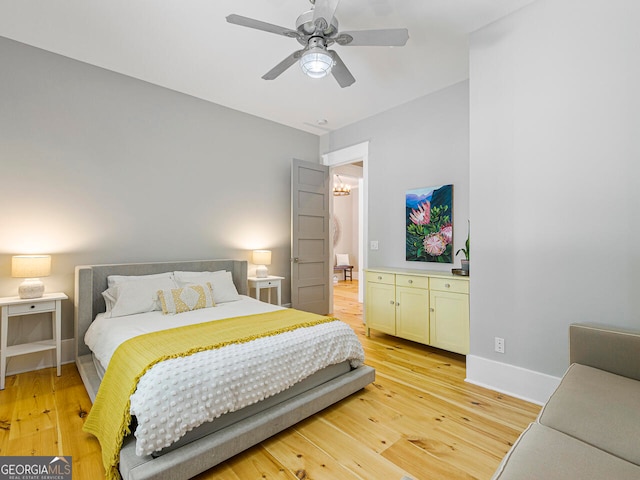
(30,266)
(262,257)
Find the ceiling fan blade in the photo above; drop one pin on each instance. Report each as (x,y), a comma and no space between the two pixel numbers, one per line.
(283,65)
(323,12)
(340,71)
(264,26)
(391,37)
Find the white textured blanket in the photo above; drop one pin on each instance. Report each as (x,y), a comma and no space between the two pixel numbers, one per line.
(178,395)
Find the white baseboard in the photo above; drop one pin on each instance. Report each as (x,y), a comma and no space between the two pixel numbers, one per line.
(40,360)
(529,385)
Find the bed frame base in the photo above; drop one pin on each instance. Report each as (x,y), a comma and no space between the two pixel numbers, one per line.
(194,458)
(89,375)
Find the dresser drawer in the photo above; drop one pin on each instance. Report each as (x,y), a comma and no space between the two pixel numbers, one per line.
(415,281)
(381,277)
(449,285)
(26,308)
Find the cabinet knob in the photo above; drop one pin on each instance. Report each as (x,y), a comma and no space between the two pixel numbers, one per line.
(397,304)
(379,277)
(392,302)
(447,285)
(432,309)
(32,306)
(410,281)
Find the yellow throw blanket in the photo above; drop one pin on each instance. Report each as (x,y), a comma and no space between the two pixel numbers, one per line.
(109,418)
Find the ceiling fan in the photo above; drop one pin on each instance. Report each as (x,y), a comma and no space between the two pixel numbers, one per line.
(316,30)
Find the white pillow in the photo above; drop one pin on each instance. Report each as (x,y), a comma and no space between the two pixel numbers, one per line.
(113,280)
(342,259)
(189,278)
(221,282)
(136,296)
(109,298)
(224,290)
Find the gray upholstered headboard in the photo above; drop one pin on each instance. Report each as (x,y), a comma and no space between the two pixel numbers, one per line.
(91,281)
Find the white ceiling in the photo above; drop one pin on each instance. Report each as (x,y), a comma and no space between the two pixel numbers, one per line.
(187,46)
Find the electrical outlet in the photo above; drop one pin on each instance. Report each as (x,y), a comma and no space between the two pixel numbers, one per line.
(499,344)
(374,244)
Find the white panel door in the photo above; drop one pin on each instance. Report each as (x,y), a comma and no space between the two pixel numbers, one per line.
(310,280)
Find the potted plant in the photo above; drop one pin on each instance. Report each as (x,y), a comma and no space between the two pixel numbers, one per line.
(465,251)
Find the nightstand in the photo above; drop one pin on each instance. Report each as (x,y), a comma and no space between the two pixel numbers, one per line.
(266,282)
(15,307)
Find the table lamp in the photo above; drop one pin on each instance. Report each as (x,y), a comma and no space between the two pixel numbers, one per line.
(31,267)
(262,258)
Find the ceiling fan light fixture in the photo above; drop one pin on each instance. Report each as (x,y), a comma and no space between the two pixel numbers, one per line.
(316,62)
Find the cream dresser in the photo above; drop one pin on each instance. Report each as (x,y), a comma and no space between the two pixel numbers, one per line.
(423,306)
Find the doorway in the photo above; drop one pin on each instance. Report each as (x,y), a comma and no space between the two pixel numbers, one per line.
(345,215)
(348,212)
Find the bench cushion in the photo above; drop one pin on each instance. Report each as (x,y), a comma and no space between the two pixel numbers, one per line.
(542,453)
(599,408)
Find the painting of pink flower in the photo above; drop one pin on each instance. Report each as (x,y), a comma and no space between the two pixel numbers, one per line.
(447,232)
(435,244)
(429,224)
(421,215)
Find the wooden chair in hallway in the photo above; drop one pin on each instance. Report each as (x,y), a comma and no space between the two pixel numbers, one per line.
(343,264)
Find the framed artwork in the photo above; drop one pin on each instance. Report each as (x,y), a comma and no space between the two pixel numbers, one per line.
(429,224)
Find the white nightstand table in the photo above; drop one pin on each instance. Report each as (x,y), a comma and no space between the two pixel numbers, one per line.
(269,282)
(16,306)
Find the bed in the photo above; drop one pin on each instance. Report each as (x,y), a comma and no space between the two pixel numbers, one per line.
(231,433)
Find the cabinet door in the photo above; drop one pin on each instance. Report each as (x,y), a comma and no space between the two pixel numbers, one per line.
(412,314)
(449,321)
(380,307)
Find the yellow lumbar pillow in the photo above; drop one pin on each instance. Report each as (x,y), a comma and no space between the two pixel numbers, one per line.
(191,297)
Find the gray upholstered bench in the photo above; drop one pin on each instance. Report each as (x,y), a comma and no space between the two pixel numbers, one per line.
(590,427)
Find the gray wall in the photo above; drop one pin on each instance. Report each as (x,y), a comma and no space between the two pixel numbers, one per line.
(98,167)
(555,190)
(419,144)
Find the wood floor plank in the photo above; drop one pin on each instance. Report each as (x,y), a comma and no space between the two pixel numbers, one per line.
(228,473)
(7,406)
(428,426)
(419,418)
(34,409)
(305,459)
(423,465)
(348,451)
(73,405)
(255,462)
(365,420)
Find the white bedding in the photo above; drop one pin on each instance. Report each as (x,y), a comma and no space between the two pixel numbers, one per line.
(105,334)
(177,395)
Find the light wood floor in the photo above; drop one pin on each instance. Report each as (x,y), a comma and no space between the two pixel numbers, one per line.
(418,419)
